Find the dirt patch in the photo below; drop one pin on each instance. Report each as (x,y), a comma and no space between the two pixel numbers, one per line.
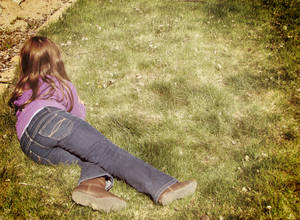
(20,19)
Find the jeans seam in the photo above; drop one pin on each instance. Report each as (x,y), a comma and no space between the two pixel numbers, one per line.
(40,157)
(57,126)
(38,127)
(47,121)
(28,143)
(32,140)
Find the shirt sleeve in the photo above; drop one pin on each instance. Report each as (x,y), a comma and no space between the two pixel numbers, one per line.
(78,108)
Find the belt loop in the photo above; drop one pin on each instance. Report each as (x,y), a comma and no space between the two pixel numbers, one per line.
(47,109)
(51,109)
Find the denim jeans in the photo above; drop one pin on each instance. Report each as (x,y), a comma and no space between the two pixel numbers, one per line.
(55,136)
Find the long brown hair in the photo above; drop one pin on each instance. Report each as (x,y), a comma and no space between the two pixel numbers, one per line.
(40,59)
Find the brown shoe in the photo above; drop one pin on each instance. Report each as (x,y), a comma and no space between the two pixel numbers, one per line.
(177,191)
(92,193)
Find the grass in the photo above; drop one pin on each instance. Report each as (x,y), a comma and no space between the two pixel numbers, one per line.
(192,88)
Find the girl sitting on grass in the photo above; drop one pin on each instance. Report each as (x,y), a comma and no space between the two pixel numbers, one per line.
(51,130)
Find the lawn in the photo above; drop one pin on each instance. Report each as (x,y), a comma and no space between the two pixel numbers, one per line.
(198,89)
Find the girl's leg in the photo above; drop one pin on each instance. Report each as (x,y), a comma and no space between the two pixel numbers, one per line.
(47,154)
(59,128)
(94,182)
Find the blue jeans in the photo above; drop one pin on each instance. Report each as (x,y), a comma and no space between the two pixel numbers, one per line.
(55,136)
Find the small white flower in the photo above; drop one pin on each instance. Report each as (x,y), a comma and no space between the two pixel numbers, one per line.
(180,151)
(99,27)
(247,158)
(244,189)
(269,207)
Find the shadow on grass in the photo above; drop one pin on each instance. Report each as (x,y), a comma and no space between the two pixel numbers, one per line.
(133,131)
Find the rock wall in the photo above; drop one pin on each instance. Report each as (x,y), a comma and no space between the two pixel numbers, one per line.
(20,19)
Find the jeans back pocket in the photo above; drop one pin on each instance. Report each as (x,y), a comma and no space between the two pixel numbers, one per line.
(56,127)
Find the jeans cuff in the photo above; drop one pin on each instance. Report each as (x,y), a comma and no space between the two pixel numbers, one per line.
(163,188)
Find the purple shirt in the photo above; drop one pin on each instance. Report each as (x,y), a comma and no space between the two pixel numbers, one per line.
(25,116)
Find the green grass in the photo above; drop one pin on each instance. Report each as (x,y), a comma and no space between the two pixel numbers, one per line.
(192,88)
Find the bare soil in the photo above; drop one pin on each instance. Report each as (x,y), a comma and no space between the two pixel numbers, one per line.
(20,19)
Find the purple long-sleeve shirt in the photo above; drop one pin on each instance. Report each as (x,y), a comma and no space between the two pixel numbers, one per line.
(24,117)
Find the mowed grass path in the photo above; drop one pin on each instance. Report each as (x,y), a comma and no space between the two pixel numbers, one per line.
(185,86)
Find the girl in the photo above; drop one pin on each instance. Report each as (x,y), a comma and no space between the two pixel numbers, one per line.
(51,129)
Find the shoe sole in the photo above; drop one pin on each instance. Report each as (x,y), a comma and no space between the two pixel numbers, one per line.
(101,204)
(185,191)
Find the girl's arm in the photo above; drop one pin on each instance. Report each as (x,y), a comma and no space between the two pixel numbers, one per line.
(80,101)
(78,106)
